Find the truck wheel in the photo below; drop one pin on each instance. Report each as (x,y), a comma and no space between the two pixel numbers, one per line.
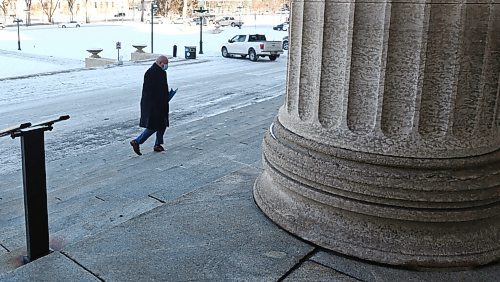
(272,57)
(252,56)
(233,24)
(285,45)
(224,52)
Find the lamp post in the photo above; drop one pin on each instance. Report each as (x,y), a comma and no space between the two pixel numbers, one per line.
(239,11)
(201,11)
(18,36)
(153,7)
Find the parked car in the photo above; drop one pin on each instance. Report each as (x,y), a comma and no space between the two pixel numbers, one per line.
(225,21)
(211,18)
(196,21)
(2,25)
(156,20)
(281,26)
(119,15)
(70,24)
(253,46)
(285,43)
(178,20)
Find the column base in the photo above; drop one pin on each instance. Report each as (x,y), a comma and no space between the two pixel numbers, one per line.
(410,212)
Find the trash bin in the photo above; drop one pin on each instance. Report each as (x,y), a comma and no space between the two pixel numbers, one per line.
(190,52)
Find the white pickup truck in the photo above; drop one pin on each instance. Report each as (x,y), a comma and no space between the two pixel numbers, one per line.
(253,46)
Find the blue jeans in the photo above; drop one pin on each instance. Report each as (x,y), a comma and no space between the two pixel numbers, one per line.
(147,133)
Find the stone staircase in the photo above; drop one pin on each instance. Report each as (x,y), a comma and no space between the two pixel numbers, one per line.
(91,193)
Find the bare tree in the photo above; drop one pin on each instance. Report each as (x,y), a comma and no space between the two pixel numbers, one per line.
(131,4)
(142,10)
(71,5)
(49,7)
(184,8)
(28,11)
(161,7)
(261,5)
(179,7)
(165,7)
(87,20)
(4,6)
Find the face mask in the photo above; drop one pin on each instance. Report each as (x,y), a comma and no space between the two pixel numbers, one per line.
(165,67)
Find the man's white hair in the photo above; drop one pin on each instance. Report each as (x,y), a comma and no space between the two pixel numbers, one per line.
(161,59)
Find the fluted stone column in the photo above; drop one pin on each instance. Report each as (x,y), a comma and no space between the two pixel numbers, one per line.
(388,145)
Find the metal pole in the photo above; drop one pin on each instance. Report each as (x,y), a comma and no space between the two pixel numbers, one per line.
(201,36)
(201,11)
(34,184)
(35,194)
(151,27)
(18,37)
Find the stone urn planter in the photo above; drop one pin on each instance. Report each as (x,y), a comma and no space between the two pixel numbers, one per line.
(139,48)
(95,52)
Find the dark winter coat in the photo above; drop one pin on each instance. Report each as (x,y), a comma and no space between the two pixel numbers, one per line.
(154,101)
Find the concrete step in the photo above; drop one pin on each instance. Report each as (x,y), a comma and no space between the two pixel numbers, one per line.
(88,194)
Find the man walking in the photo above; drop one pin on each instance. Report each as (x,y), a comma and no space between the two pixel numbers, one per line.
(154,105)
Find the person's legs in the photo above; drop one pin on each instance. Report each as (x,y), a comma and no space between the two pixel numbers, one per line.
(159,136)
(159,140)
(141,139)
(144,135)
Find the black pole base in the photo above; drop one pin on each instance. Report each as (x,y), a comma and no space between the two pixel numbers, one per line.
(26,259)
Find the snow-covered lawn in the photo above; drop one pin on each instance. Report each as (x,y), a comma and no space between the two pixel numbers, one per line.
(49,48)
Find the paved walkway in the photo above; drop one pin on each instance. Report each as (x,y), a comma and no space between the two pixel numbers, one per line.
(186,214)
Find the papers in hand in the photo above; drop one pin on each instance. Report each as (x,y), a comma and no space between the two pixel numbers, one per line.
(171,93)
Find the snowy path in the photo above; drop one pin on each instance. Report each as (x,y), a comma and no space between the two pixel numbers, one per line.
(104,103)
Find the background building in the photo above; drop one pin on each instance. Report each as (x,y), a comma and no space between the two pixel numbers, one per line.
(98,10)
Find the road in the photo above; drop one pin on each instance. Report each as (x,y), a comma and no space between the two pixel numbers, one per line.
(104,103)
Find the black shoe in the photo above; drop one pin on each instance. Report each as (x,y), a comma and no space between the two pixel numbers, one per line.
(135,146)
(158,148)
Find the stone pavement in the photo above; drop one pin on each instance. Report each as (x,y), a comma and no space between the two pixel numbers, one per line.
(186,214)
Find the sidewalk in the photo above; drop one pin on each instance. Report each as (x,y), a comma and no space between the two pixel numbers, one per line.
(188,215)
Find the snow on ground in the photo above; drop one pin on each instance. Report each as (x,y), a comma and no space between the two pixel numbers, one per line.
(103,102)
(49,48)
